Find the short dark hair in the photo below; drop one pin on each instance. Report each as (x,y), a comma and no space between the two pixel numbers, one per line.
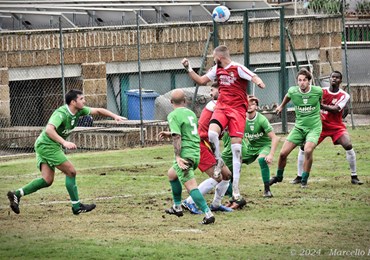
(214,84)
(72,95)
(253,98)
(305,73)
(337,72)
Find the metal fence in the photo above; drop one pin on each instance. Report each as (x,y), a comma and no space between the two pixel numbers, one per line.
(140,91)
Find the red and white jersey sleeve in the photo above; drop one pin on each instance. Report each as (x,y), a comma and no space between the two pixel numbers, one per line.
(205,117)
(330,120)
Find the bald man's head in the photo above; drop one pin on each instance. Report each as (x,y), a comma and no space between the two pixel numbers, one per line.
(178,97)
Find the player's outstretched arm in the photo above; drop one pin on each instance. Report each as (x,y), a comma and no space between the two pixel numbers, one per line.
(200,80)
(107,113)
(282,105)
(164,134)
(258,81)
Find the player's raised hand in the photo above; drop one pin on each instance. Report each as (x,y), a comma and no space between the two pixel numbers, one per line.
(186,63)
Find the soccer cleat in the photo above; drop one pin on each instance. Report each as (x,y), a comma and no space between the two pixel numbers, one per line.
(83,208)
(173,211)
(191,207)
(267,194)
(355,180)
(238,204)
(297,180)
(220,208)
(275,179)
(218,167)
(304,185)
(14,202)
(207,221)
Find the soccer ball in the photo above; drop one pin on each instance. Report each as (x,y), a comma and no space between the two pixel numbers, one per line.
(221,14)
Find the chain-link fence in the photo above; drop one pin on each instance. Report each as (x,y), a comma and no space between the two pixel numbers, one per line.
(139,89)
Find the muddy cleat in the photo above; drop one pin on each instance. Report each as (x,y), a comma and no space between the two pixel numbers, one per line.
(83,208)
(275,179)
(238,204)
(267,194)
(207,221)
(304,185)
(14,202)
(218,167)
(356,181)
(297,180)
(191,207)
(220,208)
(173,211)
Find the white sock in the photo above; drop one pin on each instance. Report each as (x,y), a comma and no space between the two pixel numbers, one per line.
(351,158)
(213,138)
(220,191)
(236,150)
(206,186)
(300,162)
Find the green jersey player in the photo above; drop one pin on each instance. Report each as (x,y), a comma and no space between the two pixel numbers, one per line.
(306,100)
(183,125)
(49,153)
(262,143)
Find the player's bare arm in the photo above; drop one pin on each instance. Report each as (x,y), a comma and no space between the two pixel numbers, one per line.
(177,149)
(274,143)
(258,81)
(52,133)
(107,113)
(200,80)
(282,105)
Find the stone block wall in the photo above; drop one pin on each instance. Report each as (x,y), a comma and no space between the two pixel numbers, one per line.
(93,48)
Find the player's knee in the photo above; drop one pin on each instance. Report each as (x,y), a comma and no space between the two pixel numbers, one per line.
(347,146)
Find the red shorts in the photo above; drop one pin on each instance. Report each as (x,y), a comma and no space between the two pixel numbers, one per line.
(233,119)
(207,158)
(335,134)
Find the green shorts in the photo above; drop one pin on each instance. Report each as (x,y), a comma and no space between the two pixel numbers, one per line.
(253,153)
(50,155)
(187,175)
(249,155)
(299,136)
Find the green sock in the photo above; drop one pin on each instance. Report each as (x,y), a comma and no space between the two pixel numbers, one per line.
(199,200)
(72,191)
(229,191)
(280,173)
(265,170)
(176,191)
(305,176)
(31,187)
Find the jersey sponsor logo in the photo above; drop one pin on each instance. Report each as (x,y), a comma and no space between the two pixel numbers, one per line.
(307,109)
(253,136)
(305,99)
(227,80)
(334,101)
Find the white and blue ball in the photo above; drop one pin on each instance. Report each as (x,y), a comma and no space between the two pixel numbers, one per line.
(221,14)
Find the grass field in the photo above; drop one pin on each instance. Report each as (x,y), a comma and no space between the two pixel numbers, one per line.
(130,188)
